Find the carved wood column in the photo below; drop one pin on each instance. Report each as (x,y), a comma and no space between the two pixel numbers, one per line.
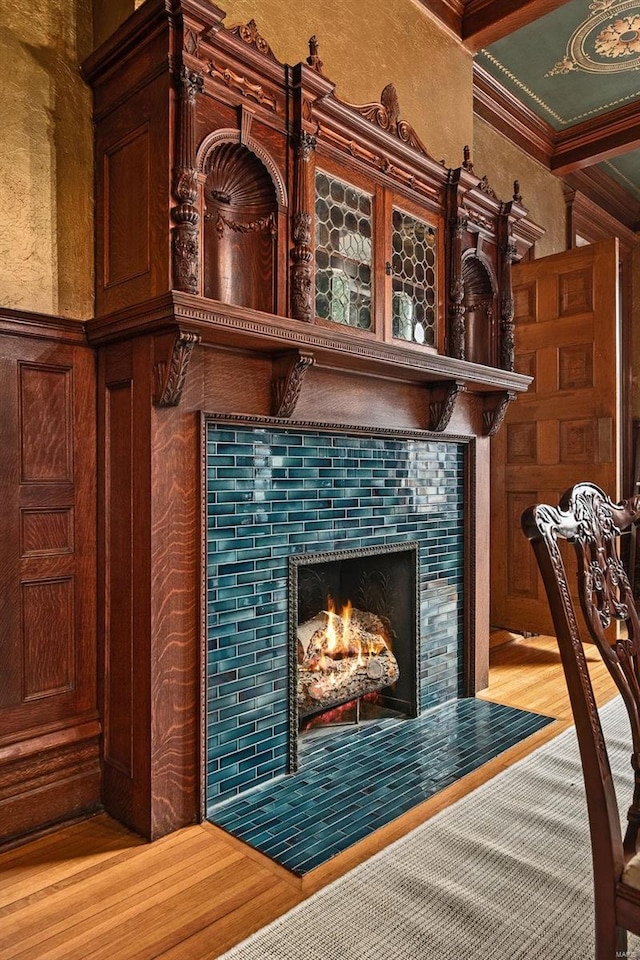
(508,254)
(302,305)
(457,226)
(185,246)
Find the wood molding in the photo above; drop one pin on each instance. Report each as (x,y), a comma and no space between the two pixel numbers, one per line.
(567,153)
(506,114)
(601,208)
(26,323)
(601,138)
(449,12)
(486,21)
(226,325)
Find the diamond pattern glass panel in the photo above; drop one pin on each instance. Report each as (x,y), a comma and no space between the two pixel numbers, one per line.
(414,279)
(343,252)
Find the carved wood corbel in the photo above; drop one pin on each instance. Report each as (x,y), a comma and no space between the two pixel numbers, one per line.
(495,409)
(289,371)
(442,402)
(185,247)
(171,362)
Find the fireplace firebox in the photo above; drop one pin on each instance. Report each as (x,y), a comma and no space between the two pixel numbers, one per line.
(353,632)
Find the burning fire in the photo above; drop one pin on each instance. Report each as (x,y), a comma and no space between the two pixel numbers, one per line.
(344,641)
(342,656)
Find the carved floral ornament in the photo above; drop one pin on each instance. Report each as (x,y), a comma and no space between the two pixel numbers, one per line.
(607,41)
(386,115)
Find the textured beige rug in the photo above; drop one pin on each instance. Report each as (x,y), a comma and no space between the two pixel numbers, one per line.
(504,874)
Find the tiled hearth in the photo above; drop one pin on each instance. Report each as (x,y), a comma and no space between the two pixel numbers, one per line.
(274,492)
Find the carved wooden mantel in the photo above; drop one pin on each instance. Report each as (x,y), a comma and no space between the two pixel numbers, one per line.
(181,322)
(208,156)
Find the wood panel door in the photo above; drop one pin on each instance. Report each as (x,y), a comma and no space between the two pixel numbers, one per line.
(566,428)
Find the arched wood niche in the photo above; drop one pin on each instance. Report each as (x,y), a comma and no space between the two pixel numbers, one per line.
(244,203)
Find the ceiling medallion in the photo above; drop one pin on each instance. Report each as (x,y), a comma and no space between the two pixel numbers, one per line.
(612,31)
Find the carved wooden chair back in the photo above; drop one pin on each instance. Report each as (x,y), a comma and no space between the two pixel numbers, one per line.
(589,520)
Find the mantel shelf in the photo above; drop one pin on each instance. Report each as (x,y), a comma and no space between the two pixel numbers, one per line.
(225,325)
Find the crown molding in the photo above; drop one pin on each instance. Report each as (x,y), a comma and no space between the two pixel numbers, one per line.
(607,194)
(499,107)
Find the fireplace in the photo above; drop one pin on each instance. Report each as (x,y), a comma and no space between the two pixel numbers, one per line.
(295,513)
(353,634)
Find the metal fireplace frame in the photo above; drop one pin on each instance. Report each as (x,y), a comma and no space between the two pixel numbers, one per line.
(314,559)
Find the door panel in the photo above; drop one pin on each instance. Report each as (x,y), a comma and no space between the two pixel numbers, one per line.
(566,428)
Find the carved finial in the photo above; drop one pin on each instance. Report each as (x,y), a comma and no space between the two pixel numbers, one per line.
(467,162)
(389,100)
(313,59)
(517,196)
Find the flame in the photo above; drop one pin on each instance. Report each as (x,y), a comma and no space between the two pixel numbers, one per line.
(344,650)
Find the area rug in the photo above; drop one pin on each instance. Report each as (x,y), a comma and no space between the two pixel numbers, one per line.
(503,874)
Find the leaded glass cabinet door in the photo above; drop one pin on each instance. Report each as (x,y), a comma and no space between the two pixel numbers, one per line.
(414,279)
(344,252)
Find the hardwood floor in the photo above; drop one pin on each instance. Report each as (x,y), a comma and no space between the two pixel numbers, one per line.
(93,891)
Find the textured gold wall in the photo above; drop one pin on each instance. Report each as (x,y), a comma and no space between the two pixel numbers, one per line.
(366,44)
(542,194)
(108,15)
(46,176)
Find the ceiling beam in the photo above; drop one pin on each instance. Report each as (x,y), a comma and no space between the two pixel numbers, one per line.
(607,194)
(486,21)
(587,143)
(511,117)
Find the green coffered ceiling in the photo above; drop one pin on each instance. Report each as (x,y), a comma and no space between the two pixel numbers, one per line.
(561,78)
(579,61)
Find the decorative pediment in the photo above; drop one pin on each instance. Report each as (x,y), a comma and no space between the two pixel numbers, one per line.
(386,115)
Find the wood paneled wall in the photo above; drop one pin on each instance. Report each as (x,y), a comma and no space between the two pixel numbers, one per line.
(49,729)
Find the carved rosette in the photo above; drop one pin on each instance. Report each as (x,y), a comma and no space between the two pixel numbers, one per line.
(302,306)
(508,254)
(185,252)
(457,226)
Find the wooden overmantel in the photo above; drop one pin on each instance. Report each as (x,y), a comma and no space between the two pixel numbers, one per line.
(206,304)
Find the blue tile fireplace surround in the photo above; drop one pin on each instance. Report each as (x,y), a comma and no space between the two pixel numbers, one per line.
(274,492)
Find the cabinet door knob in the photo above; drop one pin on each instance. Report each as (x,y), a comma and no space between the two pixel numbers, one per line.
(387,268)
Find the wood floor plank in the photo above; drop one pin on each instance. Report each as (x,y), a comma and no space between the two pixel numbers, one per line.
(94,891)
(218,937)
(108,899)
